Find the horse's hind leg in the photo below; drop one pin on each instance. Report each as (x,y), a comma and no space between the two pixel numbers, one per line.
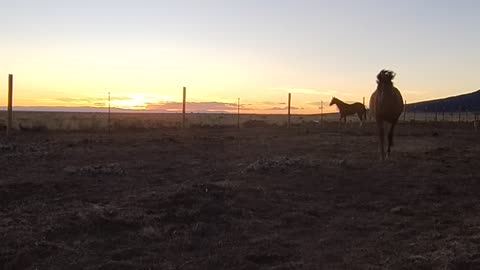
(390,138)
(381,136)
(361,119)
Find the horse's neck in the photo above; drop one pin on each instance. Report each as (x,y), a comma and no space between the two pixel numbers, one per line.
(339,102)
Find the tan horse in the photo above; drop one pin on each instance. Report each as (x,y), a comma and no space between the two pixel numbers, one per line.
(386,105)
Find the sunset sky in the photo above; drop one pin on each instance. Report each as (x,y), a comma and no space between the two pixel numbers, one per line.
(71,53)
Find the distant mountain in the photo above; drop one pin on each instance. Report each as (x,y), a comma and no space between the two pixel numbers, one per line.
(467,102)
(65,109)
(96,110)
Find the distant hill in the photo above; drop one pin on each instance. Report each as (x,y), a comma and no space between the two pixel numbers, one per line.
(97,110)
(467,102)
(64,109)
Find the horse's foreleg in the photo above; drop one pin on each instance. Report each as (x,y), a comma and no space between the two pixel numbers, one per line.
(390,138)
(381,136)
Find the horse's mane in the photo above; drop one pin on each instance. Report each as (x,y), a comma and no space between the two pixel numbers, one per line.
(336,100)
(385,77)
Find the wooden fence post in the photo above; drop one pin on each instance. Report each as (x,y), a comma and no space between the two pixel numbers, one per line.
(405,111)
(475,122)
(238,113)
(321,111)
(183,108)
(10,105)
(109,118)
(459,113)
(289,103)
(364,120)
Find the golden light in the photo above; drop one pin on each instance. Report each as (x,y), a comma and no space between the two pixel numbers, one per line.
(138,101)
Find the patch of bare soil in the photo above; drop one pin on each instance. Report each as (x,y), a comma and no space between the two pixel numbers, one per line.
(256,198)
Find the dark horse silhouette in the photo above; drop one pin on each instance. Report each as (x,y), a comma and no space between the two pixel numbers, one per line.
(386,105)
(349,109)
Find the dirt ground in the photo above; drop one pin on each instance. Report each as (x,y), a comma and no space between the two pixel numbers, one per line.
(308,197)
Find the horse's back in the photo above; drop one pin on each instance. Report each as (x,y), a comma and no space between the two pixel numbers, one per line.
(360,108)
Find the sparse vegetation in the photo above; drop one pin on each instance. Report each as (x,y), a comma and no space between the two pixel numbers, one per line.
(252,198)
(54,121)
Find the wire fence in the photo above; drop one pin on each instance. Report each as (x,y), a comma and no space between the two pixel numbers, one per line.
(24,120)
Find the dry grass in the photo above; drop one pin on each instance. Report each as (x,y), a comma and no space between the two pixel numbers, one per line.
(316,198)
(69,121)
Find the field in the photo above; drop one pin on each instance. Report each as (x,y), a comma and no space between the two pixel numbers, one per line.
(261,197)
(73,121)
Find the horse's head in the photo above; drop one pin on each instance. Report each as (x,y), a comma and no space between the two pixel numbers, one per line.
(334,101)
(384,79)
